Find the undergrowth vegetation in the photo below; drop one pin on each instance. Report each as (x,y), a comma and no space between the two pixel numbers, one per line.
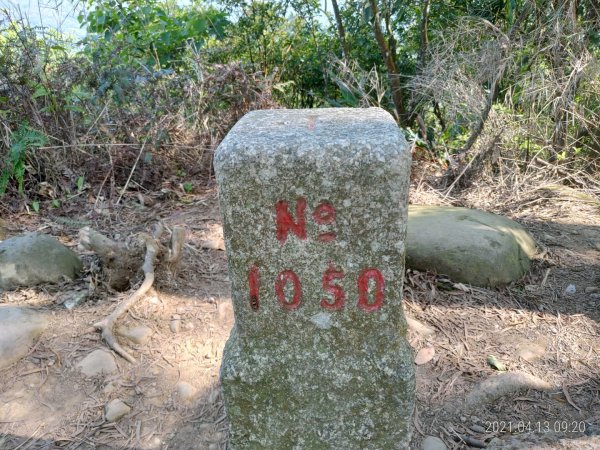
(143,99)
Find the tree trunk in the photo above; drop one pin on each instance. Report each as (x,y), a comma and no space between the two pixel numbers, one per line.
(390,62)
(424,38)
(340,29)
(505,53)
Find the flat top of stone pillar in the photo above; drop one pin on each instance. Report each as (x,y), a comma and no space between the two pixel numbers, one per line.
(313,127)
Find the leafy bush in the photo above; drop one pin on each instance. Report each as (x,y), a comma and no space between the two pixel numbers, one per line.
(148,32)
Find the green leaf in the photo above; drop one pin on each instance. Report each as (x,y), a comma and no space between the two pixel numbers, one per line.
(36,206)
(495,364)
(40,91)
(80,181)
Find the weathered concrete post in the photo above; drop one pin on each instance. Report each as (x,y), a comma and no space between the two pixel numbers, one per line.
(314,206)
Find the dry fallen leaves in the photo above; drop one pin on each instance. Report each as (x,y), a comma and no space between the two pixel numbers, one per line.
(424,355)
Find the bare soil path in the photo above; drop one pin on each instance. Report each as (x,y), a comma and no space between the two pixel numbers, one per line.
(535,326)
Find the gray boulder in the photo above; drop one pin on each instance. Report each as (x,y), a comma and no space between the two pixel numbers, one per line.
(35,258)
(19,327)
(468,245)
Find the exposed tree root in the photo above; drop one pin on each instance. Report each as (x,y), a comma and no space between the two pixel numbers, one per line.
(119,262)
(176,246)
(109,250)
(496,386)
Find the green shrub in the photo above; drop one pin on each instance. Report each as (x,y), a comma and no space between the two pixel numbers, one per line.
(24,140)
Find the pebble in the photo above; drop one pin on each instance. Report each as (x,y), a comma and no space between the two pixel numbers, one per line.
(75,299)
(478,429)
(175,325)
(155,443)
(495,441)
(115,409)
(530,351)
(110,388)
(98,362)
(571,289)
(138,335)
(189,326)
(433,443)
(592,289)
(185,391)
(19,328)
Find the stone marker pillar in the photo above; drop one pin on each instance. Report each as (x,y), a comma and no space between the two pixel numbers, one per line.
(314,206)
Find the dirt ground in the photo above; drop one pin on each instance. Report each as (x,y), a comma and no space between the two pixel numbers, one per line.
(533,326)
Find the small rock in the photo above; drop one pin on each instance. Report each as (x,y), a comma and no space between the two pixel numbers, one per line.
(115,409)
(110,388)
(138,335)
(155,443)
(98,362)
(185,391)
(478,429)
(176,317)
(75,298)
(19,328)
(495,442)
(424,355)
(189,326)
(433,443)
(571,289)
(175,325)
(213,446)
(592,289)
(532,288)
(531,352)
(213,244)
